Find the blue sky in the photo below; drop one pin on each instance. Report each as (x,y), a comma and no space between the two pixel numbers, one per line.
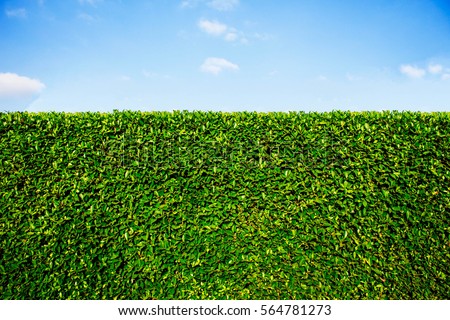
(227,55)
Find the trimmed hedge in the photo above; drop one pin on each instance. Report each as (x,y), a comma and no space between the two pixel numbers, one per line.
(209,205)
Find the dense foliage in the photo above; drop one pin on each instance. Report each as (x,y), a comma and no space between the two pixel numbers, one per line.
(209,205)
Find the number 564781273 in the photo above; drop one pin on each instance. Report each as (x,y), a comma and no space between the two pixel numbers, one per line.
(296,310)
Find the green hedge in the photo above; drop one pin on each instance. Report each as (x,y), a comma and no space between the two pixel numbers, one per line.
(210,205)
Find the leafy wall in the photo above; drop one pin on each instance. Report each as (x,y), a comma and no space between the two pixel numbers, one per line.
(209,205)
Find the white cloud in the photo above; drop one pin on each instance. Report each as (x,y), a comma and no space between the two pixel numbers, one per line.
(16,13)
(435,68)
(148,74)
(214,28)
(446,76)
(412,71)
(189,3)
(218,29)
(223,5)
(86,17)
(322,78)
(217,65)
(352,77)
(244,40)
(220,5)
(90,2)
(262,36)
(15,86)
(124,78)
(231,36)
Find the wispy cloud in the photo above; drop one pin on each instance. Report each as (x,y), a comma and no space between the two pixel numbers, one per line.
(86,17)
(223,5)
(435,68)
(148,74)
(217,65)
(214,27)
(90,2)
(218,29)
(412,71)
(231,36)
(188,3)
(16,13)
(124,78)
(220,5)
(352,77)
(14,86)
(262,36)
